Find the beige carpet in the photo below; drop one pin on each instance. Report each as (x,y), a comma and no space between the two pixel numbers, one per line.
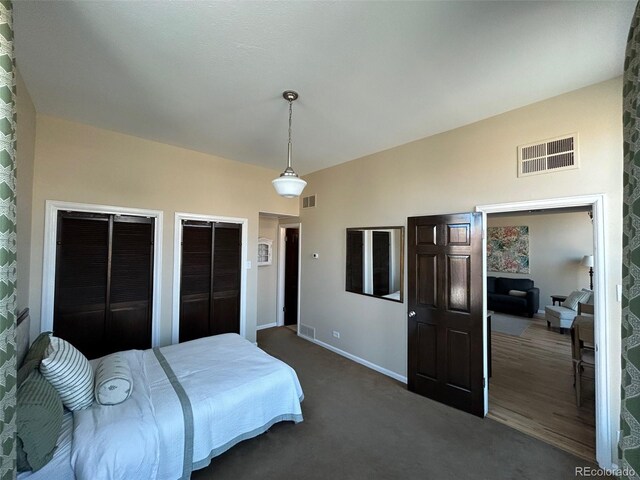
(359,424)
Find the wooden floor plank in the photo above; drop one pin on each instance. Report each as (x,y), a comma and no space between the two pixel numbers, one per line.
(531,389)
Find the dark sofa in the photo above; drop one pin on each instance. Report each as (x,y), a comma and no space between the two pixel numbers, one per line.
(499,300)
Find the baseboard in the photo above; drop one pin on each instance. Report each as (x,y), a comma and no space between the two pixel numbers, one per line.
(356,359)
(268,325)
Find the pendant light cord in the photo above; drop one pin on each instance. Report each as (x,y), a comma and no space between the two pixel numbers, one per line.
(289,149)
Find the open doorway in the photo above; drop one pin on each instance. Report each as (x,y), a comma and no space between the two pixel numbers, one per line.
(531,386)
(279,277)
(603,435)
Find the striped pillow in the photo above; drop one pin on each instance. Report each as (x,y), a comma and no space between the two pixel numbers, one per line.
(70,374)
(39,418)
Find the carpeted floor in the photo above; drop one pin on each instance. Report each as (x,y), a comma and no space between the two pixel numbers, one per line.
(359,424)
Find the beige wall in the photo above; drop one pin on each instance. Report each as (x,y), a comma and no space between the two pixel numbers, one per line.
(26,137)
(78,163)
(557,243)
(454,172)
(268,274)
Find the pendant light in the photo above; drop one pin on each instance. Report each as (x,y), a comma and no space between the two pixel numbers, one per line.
(288,184)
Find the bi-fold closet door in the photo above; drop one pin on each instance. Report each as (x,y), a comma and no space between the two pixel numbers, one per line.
(210,279)
(104,281)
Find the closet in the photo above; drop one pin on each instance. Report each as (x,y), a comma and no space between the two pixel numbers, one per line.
(209,279)
(104,281)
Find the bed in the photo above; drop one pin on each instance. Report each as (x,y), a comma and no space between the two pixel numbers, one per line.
(190,402)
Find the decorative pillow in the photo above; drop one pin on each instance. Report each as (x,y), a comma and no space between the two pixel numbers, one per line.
(38,347)
(590,299)
(517,293)
(38,422)
(114,383)
(70,374)
(34,356)
(575,298)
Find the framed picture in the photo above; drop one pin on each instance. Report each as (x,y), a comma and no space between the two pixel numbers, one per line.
(265,251)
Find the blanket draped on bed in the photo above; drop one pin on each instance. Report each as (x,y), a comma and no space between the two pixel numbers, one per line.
(190,403)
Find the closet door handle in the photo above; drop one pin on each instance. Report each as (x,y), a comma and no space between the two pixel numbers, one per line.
(412,314)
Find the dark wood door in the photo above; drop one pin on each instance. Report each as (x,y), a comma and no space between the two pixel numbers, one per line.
(225,311)
(195,280)
(209,279)
(380,262)
(104,278)
(292,242)
(131,284)
(445,294)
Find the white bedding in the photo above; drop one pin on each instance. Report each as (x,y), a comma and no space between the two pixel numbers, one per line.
(196,399)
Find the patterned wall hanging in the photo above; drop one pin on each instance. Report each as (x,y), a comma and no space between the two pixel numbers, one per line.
(629,446)
(508,249)
(7,245)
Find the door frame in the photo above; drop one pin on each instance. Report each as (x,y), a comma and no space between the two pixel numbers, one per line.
(282,245)
(177,266)
(602,329)
(52,207)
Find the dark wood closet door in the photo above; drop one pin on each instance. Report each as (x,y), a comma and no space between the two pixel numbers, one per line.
(129,315)
(225,315)
(445,310)
(80,301)
(381,258)
(355,261)
(195,281)
(292,241)
(104,277)
(210,279)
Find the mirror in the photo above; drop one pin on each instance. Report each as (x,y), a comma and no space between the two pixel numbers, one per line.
(375,262)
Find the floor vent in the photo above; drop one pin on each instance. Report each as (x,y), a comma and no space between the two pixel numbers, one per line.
(309,201)
(307,331)
(548,156)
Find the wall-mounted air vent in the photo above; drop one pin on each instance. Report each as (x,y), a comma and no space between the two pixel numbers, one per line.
(309,201)
(548,156)
(307,331)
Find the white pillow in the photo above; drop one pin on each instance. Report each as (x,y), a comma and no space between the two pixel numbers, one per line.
(69,372)
(517,293)
(575,298)
(114,383)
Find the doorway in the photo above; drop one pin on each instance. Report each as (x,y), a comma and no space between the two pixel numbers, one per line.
(291,266)
(147,223)
(603,414)
(289,247)
(213,290)
(209,279)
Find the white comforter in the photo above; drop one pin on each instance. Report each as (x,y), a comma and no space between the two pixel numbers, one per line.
(224,390)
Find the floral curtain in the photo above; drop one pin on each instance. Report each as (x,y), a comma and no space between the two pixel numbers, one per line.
(629,447)
(7,246)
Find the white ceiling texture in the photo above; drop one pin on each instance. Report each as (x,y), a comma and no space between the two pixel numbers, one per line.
(209,76)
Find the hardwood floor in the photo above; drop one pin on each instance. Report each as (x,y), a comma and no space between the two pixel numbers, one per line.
(531,389)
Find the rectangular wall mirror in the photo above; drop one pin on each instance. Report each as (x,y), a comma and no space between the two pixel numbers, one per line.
(374,263)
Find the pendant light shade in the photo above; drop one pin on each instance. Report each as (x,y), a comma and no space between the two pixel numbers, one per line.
(289,187)
(288,184)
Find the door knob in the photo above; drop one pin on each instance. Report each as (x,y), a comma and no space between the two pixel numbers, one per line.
(412,314)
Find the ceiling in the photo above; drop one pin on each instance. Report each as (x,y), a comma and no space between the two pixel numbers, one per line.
(209,76)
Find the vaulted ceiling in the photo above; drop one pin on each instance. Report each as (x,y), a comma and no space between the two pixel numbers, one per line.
(209,76)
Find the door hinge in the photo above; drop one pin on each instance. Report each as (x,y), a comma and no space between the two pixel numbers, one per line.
(484,382)
(284,309)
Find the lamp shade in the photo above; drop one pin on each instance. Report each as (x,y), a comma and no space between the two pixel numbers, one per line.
(289,186)
(587,261)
